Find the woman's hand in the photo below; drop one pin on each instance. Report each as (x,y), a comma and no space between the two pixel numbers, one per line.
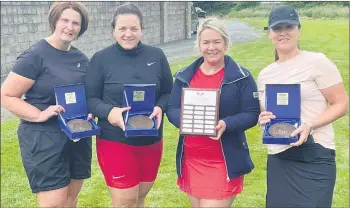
(157,113)
(115,117)
(52,110)
(221,127)
(91,117)
(265,117)
(304,131)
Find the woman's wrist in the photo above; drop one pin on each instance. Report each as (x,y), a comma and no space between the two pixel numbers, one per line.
(310,125)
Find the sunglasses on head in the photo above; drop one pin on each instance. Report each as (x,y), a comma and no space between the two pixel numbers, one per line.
(280,27)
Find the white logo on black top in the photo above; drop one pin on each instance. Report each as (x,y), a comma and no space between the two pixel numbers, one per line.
(291,14)
(78,65)
(149,64)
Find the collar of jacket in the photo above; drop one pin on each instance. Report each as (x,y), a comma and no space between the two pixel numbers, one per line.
(131,52)
(233,72)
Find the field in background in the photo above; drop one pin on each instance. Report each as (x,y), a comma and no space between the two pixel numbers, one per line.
(327,36)
(327,11)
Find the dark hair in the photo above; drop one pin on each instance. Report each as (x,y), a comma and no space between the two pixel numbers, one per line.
(127,9)
(57,8)
(276,53)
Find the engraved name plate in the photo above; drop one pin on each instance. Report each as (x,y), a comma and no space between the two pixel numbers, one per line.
(199,111)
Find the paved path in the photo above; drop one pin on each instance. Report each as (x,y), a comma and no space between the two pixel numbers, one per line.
(239,32)
(178,50)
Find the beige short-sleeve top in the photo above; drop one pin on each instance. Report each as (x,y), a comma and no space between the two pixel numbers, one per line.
(314,72)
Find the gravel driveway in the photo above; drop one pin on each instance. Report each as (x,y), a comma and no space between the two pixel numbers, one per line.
(178,50)
(239,32)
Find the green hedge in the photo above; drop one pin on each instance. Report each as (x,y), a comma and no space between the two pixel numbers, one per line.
(313,10)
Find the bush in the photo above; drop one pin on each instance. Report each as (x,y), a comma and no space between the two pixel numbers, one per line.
(213,6)
(323,10)
(245,5)
(306,4)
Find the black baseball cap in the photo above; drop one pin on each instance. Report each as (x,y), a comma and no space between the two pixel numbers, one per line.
(283,14)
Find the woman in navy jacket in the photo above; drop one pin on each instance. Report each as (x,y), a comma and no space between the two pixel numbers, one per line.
(208,184)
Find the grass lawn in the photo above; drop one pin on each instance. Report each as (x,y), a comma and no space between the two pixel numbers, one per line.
(327,36)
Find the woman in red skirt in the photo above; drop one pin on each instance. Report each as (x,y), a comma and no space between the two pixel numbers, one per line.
(211,170)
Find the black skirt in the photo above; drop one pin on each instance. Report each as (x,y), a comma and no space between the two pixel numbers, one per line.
(301,176)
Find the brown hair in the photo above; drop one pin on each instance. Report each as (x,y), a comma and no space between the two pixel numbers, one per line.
(57,8)
(127,9)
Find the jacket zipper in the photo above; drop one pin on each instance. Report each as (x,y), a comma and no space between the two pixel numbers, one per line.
(183,144)
(222,149)
(182,153)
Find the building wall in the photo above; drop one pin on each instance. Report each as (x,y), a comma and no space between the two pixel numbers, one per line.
(25,23)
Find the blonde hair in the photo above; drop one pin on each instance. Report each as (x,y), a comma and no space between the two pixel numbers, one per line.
(214,24)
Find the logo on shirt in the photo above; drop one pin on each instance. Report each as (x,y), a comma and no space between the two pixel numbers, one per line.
(117,177)
(255,95)
(149,64)
(78,65)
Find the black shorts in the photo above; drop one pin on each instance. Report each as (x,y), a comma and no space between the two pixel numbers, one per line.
(51,159)
(301,176)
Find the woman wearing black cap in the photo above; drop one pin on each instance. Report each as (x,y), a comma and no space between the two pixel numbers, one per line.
(303,173)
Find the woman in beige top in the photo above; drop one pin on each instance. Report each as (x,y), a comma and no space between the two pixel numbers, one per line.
(302,173)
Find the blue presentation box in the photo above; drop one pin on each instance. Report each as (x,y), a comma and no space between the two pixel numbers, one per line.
(72,99)
(284,101)
(141,99)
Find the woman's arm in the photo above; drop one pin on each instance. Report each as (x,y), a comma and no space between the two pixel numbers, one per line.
(13,89)
(174,105)
(249,108)
(328,80)
(339,105)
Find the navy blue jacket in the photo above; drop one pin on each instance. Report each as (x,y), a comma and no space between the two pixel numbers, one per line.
(239,109)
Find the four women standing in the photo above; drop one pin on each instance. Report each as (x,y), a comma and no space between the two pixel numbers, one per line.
(210,170)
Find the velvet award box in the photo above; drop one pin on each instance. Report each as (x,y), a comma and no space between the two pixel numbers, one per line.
(284,101)
(141,99)
(72,99)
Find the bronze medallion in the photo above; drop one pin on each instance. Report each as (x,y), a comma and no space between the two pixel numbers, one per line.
(281,130)
(140,122)
(79,125)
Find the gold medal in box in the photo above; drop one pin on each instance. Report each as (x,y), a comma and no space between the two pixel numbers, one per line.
(140,121)
(74,120)
(284,101)
(141,99)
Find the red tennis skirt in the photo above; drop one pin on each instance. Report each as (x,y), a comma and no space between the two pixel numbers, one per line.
(204,173)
